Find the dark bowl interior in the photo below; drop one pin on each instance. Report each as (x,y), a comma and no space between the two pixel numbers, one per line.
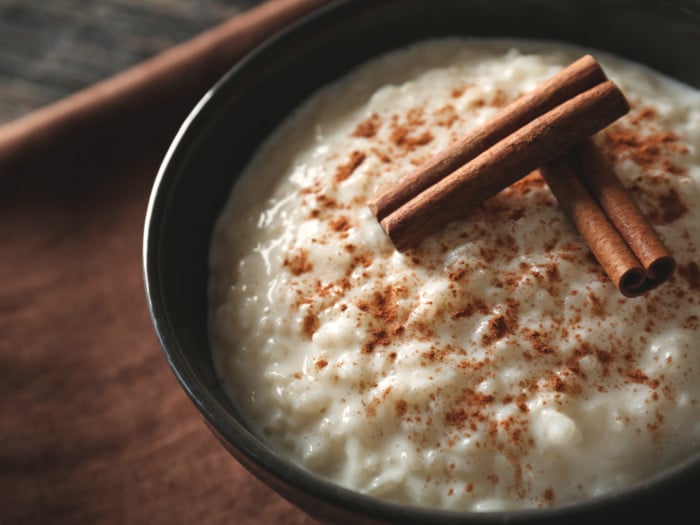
(223,131)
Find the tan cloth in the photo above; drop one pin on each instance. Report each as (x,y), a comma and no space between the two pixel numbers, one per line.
(93,425)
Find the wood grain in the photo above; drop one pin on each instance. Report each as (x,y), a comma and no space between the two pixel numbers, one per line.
(93,426)
(49,50)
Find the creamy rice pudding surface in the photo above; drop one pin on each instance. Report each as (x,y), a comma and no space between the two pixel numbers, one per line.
(493,367)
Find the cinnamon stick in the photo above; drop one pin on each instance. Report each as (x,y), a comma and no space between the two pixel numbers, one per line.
(598,175)
(529,147)
(583,74)
(606,243)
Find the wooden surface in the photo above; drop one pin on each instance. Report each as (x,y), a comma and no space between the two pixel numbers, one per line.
(51,48)
(93,426)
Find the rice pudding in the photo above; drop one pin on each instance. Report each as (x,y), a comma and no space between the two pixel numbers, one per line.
(494,366)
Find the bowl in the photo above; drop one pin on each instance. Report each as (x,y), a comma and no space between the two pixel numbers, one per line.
(243,108)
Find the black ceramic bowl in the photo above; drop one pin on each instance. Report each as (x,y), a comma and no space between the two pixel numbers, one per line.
(223,131)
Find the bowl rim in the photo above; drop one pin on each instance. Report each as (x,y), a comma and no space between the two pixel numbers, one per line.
(233,431)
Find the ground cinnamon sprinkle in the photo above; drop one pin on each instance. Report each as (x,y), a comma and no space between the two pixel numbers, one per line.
(499,99)
(458,91)
(340,224)
(671,208)
(369,127)
(382,306)
(326,202)
(605,359)
(552,272)
(458,274)
(363,259)
(557,384)
(501,325)
(539,341)
(691,273)
(446,116)
(648,151)
(472,306)
(401,407)
(381,155)
(310,324)
(498,329)
(548,495)
(371,407)
(637,376)
(401,136)
(521,404)
(597,306)
(531,182)
(379,337)
(415,117)
(344,171)
(299,263)
(467,409)
(408,135)
(640,115)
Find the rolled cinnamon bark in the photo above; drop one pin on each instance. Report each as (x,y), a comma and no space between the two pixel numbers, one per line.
(529,147)
(576,78)
(606,243)
(598,175)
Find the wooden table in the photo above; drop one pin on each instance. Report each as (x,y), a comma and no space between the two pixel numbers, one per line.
(93,426)
(49,49)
